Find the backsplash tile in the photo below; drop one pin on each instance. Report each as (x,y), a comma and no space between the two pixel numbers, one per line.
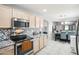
(5,38)
(4,34)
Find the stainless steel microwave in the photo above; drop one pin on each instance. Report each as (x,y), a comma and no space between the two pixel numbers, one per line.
(17,22)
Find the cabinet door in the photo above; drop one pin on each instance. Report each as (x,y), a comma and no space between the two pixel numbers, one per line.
(20,14)
(5,16)
(7,50)
(37,22)
(32,21)
(45,40)
(41,24)
(17,13)
(41,42)
(36,45)
(26,16)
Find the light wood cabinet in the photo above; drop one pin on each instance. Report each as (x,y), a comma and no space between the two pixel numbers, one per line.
(32,22)
(41,23)
(41,42)
(37,22)
(7,50)
(17,13)
(5,16)
(26,16)
(36,45)
(20,14)
(45,40)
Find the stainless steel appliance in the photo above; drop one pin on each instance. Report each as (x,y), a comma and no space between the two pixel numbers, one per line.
(17,22)
(77,37)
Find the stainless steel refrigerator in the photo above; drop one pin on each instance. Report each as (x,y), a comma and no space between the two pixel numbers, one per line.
(77,37)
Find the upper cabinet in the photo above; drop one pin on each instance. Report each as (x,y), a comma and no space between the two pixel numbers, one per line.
(6,13)
(41,23)
(5,16)
(37,22)
(17,13)
(20,14)
(32,22)
(26,16)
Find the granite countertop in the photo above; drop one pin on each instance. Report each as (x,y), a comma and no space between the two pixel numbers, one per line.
(6,43)
(35,36)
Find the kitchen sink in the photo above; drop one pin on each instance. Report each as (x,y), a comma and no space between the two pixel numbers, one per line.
(18,37)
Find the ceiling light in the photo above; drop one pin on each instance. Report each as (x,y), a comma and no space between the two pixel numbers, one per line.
(44,10)
(62,22)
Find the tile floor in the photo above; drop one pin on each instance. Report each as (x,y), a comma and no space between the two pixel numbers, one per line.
(56,48)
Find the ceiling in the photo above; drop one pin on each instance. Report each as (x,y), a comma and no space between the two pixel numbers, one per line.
(55,12)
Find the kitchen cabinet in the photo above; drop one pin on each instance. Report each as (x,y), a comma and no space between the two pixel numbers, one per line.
(20,14)
(45,40)
(36,46)
(5,16)
(37,22)
(41,42)
(26,16)
(41,23)
(32,22)
(26,46)
(7,50)
(17,13)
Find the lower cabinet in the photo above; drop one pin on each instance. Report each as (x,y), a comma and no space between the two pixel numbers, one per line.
(7,50)
(45,40)
(41,42)
(36,46)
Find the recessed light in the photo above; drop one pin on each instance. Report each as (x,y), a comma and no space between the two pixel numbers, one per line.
(62,22)
(44,10)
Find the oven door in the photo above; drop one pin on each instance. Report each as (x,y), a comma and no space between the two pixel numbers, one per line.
(25,47)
